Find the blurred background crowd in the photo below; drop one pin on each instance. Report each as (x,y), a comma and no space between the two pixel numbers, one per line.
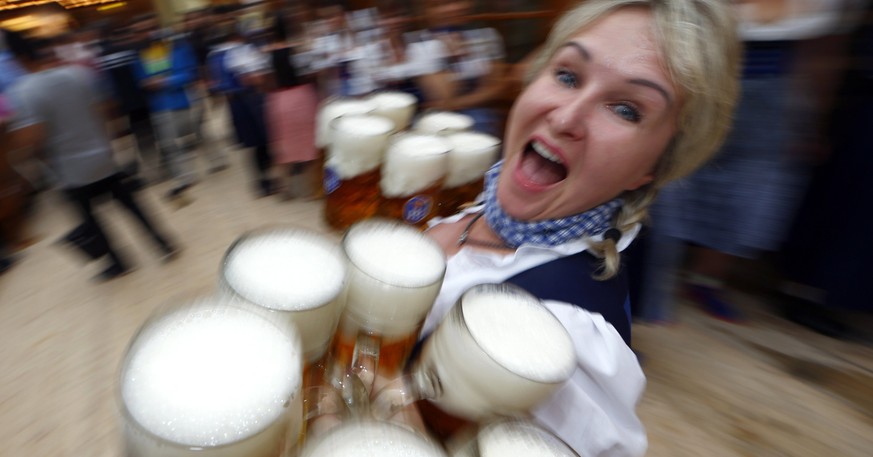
(783,211)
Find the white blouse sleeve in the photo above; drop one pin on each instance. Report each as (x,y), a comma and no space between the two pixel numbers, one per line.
(595,411)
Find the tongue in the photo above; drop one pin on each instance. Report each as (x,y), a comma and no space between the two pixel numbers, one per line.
(542,171)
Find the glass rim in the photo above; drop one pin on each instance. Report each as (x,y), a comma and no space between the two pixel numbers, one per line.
(333,124)
(526,424)
(386,222)
(458,310)
(156,316)
(266,230)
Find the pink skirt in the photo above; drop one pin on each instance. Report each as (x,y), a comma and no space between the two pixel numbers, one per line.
(291,124)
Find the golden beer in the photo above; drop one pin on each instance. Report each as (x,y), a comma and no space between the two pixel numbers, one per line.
(351,174)
(330,110)
(450,200)
(395,273)
(413,172)
(351,200)
(416,209)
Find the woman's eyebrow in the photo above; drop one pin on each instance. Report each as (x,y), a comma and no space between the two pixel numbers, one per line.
(586,56)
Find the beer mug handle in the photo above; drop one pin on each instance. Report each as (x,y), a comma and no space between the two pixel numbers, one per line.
(421,384)
(365,359)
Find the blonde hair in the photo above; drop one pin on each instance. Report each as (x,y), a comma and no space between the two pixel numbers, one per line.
(701,54)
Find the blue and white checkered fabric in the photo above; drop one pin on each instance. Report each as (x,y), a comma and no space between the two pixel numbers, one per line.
(550,232)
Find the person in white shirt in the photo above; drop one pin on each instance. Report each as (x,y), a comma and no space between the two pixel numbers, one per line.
(625,96)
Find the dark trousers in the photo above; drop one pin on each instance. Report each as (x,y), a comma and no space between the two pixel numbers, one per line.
(115,185)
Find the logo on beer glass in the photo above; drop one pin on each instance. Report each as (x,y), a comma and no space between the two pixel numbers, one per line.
(417,208)
(331,180)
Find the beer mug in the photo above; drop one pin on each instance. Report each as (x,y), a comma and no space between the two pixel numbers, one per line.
(212,380)
(333,108)
(295,275)
(370,438)
(351,173)
(436,122)
(397,106)
(412,174)
(499,352)
(472,154)
(395,273)
(512,438)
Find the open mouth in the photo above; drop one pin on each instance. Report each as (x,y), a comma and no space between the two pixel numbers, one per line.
(541,166)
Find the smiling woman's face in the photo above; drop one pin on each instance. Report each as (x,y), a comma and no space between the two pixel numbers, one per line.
(592,124)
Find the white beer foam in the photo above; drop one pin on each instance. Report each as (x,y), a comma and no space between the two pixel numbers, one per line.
(472,154)
(443,122)
(210,375)
(519,439)
(359,143)
(397,106)
(288,270)
(521,335)
(372,439)
(333,109)
(396,276)
(413,163)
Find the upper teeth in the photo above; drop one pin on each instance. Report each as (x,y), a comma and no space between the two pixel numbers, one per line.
(540,149)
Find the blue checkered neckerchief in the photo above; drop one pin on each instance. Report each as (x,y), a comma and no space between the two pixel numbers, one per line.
(549,232)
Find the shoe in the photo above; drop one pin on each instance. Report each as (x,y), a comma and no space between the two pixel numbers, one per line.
(169,253)
(6,263)
(709,300)
(177,191)
(112,272)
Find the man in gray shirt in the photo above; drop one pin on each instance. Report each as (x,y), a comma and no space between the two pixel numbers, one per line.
(57,118)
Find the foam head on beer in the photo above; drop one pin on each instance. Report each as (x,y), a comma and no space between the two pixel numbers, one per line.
(435,122)
(371,439)
(295,271)
(413,162)
(359,143)
(471,156)
(397,106)
(396,273)
(334,108)
(207,375)
(498,352)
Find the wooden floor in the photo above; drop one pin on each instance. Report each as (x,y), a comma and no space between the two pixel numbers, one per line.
(768,388)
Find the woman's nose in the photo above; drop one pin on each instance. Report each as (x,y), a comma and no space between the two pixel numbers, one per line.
(568,119)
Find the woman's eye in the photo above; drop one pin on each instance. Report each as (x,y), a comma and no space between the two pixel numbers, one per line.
(627,112)
(566,78)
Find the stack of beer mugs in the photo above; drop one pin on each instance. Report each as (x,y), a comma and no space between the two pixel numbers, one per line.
(305,349)
(430,166)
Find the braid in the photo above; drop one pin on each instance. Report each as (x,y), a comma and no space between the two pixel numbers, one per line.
(634,211)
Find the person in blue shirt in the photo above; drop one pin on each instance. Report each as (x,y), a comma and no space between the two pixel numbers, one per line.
(165,68)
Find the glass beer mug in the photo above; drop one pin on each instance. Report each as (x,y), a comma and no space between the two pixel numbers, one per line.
(397,106)
(512,438)
(294,275)
(436,122)
(412,175)
(351,172)
(209,379)
(472,154)
(328,111)
(499,352)
(395,273)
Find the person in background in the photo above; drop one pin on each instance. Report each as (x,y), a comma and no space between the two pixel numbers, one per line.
(472,61)
(291,106)
(165,68)
(59,119)
(740,205)
(624,97)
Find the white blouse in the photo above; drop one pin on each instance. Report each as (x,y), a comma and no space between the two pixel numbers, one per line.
(595,410)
